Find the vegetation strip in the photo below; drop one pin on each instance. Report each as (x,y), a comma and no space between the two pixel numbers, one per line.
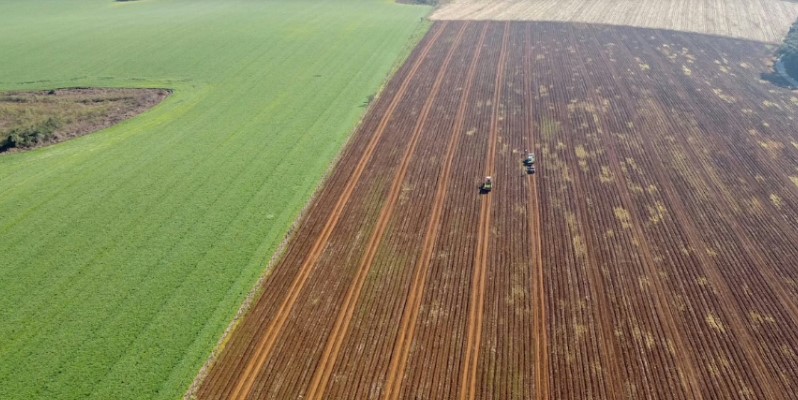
(788,54)
(108,239)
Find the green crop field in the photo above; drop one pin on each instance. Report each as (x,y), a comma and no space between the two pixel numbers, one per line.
(125,254)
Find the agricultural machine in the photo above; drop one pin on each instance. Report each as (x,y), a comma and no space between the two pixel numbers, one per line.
(487,185)
(529,162)
(530,159)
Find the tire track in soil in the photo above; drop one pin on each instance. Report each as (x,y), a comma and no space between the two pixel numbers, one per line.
(266,344)
(407,328)
(468,380)
(330,355)
(435,361)
(541,341)
(539,277)
(506,358)
(362,367)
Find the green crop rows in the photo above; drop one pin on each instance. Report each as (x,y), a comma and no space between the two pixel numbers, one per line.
(125,254)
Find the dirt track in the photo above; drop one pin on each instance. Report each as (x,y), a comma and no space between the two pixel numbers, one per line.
(651,256)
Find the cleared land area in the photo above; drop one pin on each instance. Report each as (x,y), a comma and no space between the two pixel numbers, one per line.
(761,20)
(34,119)
(651,256)
(125,254)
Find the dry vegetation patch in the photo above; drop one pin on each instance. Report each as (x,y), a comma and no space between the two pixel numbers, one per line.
(34,119)
(760,20)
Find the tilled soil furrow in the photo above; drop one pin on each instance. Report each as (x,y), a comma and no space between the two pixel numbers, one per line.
(330,354)
(468,382)
(503,371)
(246,378)
(651,255)
(687,369)
(299,347)
(533,225)
(434,358)
(410,316)
(360,369)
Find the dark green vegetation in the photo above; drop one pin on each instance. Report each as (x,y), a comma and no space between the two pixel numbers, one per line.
(789,52)
(31,119)
(126,253)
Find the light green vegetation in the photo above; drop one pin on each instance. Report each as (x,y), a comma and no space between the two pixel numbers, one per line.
(125,254)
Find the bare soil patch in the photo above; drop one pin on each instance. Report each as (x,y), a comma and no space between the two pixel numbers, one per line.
(30,120)
(651,256)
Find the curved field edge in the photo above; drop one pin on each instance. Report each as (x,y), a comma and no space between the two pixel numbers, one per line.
(127,252)
(36,119)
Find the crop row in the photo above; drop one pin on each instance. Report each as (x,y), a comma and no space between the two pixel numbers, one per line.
(649,257)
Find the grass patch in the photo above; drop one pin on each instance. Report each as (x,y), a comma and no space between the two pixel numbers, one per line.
(34,119)
(126,253)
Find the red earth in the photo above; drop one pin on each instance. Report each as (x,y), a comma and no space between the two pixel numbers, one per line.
(652,255)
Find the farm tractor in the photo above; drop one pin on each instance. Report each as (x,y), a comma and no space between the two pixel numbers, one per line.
(529,162)
(487,185)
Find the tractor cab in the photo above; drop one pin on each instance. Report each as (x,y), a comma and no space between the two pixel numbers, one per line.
(530,169)
(529,160)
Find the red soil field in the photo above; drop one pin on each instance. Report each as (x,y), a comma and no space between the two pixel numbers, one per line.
(652,255)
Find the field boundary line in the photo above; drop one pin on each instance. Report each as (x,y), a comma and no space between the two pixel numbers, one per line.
(266,344)
(321,376)
(407,327)
(468,382)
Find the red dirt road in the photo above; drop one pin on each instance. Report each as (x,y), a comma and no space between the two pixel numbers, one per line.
(651,256)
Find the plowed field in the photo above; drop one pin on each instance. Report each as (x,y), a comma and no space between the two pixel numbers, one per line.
(651,256)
